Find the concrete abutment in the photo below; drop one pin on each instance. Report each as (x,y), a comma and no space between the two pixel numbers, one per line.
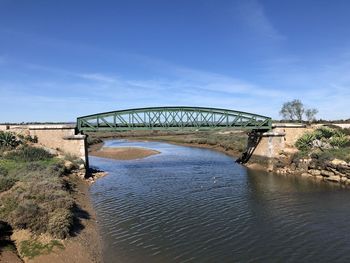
(61,138)
(272,143)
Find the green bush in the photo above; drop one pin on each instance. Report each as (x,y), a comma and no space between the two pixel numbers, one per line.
(330,154)
(6,183)
(304,143)
(3,171)
(29,154)
(324,132)
(8,140)
(339,140)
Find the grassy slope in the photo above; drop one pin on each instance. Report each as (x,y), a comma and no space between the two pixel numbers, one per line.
(34,195)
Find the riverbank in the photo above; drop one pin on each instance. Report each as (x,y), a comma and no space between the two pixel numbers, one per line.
(84,245)
(46,214)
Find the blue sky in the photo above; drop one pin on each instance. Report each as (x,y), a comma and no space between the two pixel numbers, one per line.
(63,59)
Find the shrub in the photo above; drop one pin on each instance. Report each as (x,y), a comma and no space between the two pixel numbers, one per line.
(40,202)
(211,141)
(29,154)
(6,183)
(324,132)
(60,222)
(3,171)
(339,140)
(8,139)
(342,154)
(28,215)
(304,143)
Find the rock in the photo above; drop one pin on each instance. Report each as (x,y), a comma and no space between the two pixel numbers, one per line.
(327,173)
(335,171)
(343,179)
(82,166)
(51,151)
(333,178)
(293,167)
(68,165)
(306,174)
(321,144)
(81,175)
(338,162)
(314,172)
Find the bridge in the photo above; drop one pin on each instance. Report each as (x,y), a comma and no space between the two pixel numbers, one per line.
(265,140)
(173,118)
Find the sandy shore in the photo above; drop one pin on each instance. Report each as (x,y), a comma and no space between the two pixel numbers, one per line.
(122,153)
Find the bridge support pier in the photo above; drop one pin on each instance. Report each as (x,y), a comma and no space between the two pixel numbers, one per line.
(267,147)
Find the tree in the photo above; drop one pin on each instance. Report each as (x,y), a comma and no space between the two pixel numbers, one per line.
(310,114)
(294,111)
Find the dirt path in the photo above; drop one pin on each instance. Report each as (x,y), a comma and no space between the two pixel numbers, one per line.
(9,257)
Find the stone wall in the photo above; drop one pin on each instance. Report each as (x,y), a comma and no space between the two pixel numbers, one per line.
(61,138)
(270,145)
(58,137)
(4,127)
(281,137)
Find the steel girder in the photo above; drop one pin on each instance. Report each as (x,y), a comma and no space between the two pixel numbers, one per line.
(172,118)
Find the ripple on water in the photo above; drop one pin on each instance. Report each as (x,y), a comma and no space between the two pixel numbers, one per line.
(196,205)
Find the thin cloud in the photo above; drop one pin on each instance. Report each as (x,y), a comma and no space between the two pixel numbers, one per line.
(252,13)
(97,77)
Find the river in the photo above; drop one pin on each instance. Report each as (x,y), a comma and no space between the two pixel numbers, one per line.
(191,204)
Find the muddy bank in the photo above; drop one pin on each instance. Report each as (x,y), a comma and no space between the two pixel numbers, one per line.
(84,244)
(123,153)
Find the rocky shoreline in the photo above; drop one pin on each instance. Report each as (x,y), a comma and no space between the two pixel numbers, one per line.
(337,171)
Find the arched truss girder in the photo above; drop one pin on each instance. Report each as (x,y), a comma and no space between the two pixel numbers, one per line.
(172,118)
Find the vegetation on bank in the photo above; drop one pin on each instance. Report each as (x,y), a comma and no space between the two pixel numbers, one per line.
(34,192)
(325,143)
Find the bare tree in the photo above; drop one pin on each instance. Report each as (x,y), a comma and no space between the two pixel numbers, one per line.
(310,114)
(294,111)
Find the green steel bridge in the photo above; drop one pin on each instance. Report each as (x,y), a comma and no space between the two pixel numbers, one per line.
(173,118)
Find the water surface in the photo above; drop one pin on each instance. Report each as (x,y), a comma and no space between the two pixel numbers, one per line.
(196,205)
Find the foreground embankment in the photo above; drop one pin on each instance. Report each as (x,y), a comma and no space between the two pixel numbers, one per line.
(45,211)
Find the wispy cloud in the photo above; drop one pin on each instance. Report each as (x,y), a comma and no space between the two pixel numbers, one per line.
(254,16)
(97,77)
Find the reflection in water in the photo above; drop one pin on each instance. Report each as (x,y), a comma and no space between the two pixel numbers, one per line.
(196,205)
